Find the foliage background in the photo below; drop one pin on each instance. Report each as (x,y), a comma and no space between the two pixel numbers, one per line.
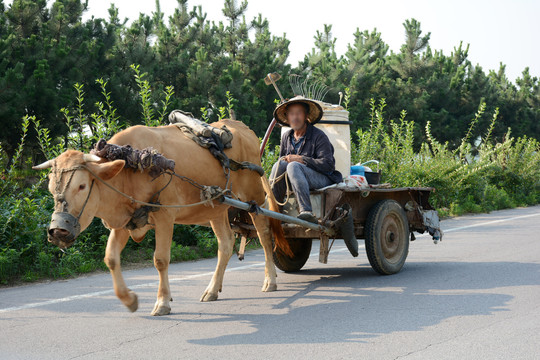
(438,119)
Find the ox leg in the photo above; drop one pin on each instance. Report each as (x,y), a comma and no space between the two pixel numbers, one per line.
(162,258)
(225,238)
(265,236)
(115,244)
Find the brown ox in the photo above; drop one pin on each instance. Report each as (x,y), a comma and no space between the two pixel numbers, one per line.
(76,189)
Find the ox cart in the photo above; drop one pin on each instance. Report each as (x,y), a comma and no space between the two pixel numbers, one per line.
(384,217)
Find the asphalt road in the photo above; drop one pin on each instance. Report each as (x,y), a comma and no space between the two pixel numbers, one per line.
(476,295)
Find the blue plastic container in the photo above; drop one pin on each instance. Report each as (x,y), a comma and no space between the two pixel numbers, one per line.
(358,170)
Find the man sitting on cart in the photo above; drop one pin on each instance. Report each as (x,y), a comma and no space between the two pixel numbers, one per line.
(306,155)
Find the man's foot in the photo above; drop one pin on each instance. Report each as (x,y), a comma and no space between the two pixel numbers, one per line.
(308,216)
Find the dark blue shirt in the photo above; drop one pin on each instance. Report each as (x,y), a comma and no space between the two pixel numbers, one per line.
(297,143)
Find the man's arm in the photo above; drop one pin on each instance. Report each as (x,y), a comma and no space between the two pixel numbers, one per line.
(324,156)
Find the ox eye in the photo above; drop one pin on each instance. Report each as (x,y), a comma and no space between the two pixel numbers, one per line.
(82,187)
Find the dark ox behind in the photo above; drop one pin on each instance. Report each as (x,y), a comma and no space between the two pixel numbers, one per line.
(84,187)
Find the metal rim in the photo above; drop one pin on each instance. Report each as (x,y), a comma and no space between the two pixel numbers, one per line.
(392,237)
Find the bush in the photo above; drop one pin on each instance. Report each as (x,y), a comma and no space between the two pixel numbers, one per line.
(476,178)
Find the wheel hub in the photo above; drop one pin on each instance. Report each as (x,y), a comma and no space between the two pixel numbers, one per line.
(392,242)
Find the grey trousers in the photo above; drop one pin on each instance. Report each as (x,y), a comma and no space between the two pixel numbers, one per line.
(301,180)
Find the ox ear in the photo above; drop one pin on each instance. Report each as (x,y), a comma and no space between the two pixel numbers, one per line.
(108,170)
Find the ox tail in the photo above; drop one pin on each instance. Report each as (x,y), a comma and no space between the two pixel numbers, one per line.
(280,241)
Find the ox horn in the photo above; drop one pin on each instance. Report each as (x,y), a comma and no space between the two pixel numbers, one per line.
(91,158)
(47,164)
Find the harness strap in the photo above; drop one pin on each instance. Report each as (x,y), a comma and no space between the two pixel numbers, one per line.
(215,144)
(245,165)
(61,204)
(59,195)
(215,191)
(86,201)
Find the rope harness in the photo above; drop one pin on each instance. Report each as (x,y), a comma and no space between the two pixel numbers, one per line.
(277,179)
(210,192)
(61,218)
(158,165)
(212,138)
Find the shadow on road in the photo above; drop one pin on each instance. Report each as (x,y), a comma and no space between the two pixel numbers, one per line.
(355,304)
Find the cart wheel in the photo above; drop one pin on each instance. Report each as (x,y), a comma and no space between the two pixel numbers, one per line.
(387,237)
(301,249)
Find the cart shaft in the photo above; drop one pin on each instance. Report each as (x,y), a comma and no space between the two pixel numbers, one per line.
(275,215)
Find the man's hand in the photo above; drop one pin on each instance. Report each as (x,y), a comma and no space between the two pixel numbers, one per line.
(292,158)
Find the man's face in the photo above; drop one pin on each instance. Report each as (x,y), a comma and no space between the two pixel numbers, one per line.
(296,115)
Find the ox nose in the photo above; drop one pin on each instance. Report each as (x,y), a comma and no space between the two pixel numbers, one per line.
(58,233)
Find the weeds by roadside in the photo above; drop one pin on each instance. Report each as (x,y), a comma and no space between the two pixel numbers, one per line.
(479,176)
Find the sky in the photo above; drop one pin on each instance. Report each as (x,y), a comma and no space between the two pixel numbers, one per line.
(497,31)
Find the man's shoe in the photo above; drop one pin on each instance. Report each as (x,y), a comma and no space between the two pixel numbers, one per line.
(308,216)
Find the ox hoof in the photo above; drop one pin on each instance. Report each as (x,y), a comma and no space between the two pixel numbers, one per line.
(208,296)
(161,309)
(135,303)
(268,287)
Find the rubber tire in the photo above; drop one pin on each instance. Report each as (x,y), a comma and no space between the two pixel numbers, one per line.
(392,211)
(301,249)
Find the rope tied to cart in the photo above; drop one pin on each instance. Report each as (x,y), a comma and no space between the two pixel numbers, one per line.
(277,179)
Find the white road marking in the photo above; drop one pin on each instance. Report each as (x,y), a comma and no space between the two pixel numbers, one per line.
(139,286)
(56,301)
(210,273)
(482,224)
(491,222)
(111,291)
